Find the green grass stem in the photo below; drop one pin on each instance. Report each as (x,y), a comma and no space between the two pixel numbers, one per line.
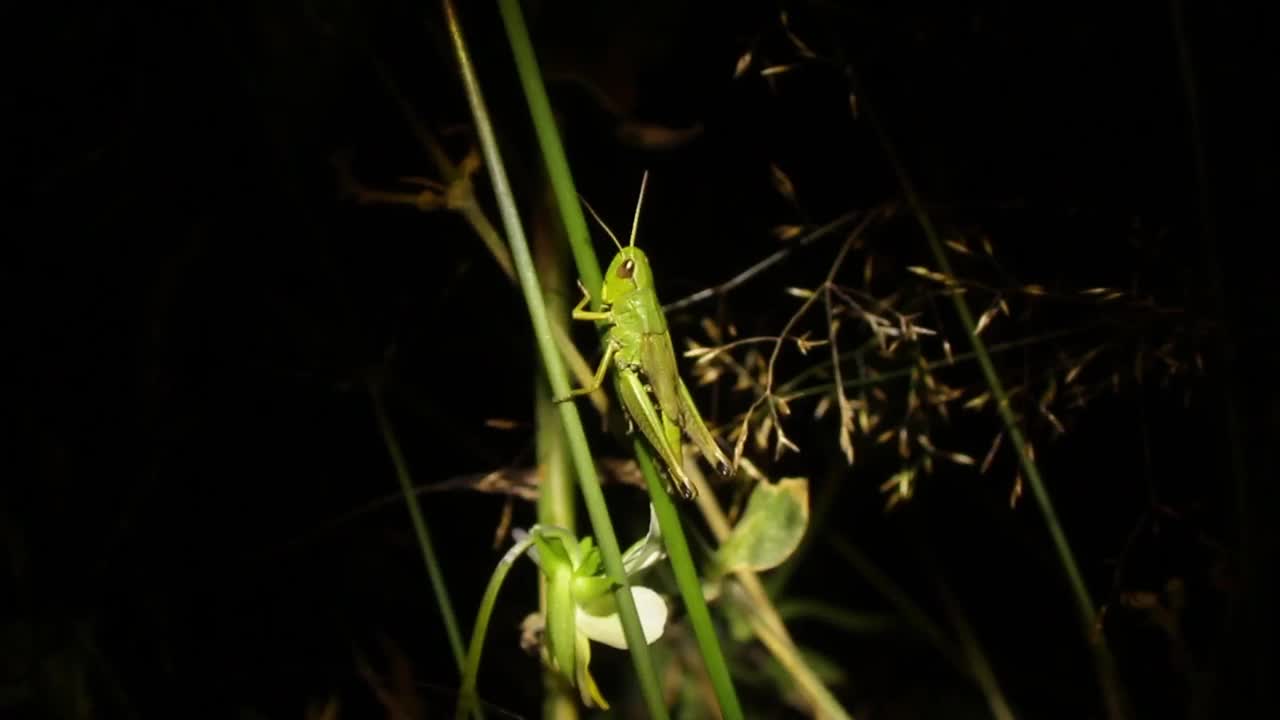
(467,695)
(690,585)
(1112,692)
(553,154)
(555,487)
(579,450)
(579,238)
(419,525)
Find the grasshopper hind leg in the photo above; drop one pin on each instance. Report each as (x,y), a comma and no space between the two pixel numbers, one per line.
(661,431)
(675,441)
(701,436)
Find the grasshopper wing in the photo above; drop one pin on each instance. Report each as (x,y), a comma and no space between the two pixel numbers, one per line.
(674,399)
(659,428)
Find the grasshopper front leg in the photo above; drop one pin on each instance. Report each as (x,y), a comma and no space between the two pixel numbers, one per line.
(581,313)
(609,351)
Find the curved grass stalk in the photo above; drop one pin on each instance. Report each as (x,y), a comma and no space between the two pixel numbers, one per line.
(984,676)
(965,656)
(1112,692)
(579,450)
(419,525)
(467,694)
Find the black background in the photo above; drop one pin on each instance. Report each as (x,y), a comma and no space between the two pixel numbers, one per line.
(190,300)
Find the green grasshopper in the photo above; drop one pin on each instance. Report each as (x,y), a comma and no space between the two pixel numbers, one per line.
(639,346)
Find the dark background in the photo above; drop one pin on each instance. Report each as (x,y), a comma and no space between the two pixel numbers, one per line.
(191,301)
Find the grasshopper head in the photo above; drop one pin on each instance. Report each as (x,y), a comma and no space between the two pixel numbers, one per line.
(629,272)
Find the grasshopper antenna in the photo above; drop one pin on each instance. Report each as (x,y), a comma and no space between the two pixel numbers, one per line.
(596,215)
(644,182)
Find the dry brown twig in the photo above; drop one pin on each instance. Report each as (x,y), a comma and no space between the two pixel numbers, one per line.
(776,405)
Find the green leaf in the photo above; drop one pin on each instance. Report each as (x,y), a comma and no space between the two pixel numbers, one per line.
(588,588)
(585,546)
(590,563)
(770,529)
(551,554)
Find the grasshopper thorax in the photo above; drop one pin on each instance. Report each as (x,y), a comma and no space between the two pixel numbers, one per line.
(628,273)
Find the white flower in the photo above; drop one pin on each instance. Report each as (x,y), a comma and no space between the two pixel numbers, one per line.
(604,625)
(580,603)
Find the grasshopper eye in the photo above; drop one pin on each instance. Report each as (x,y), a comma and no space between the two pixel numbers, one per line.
(627,269)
